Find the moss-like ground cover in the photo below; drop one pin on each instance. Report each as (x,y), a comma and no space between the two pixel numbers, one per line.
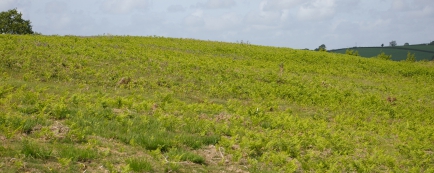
(153,104)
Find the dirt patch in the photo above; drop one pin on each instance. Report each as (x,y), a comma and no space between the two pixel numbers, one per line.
(212,155)
(222,118)
(2,138)
(216,156)
(59,130)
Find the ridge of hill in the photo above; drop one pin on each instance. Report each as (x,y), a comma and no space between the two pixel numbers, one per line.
(422,52)
(154,104)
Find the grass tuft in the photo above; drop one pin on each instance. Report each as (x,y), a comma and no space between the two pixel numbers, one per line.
(78,154)
(182,155)
(36,150)
(139,165)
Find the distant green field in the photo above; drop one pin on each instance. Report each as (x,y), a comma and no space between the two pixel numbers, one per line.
(422,52)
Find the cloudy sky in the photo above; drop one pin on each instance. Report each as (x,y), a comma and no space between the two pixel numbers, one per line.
(283,23)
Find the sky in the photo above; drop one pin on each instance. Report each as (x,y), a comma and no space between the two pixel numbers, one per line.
(283,23)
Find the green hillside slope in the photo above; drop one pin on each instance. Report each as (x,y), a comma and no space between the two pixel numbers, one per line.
(151,104)
(399,53)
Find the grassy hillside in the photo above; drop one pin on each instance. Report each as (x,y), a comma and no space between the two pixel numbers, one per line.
(399,53)
(147,104)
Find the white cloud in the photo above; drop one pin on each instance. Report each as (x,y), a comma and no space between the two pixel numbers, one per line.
(417,10)
(56,7)
(195,19)
(124,6)
(148,20)
(348,6)
(216,4)
(271,5)
(317,10)
(423,3)
(262,18)
(6,5)
(69,23)
(144,24)
(22,6)
(375,25)
(427,11)
(399,5)
(227,21)
(175,8)
(57,15)
(62,17)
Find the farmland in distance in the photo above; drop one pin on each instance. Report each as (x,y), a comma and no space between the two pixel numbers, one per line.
(422,52)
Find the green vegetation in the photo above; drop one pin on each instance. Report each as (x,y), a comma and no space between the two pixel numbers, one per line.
(153,104)
(421,52)
(12,23)
(410,57)
(383,56)
(352,52)
(321,48)
(139,165)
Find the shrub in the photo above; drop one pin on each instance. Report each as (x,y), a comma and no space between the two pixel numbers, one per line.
(410,57)
(352,52)
(382,55)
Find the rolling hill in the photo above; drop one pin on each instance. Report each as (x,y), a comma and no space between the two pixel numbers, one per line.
(399,53)
(154,104)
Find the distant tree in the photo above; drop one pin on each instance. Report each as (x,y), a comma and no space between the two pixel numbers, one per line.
(382,55)
(12,23)
(432,43)
(322,48)
(406,44)
(382,45)
(410,57)
(392,43)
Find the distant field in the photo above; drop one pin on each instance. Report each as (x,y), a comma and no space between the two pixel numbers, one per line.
(422,52)
(154,104)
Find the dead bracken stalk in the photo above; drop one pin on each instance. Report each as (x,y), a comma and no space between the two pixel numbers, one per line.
(124,81)
(221,154)
(167,161)
(281,69)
